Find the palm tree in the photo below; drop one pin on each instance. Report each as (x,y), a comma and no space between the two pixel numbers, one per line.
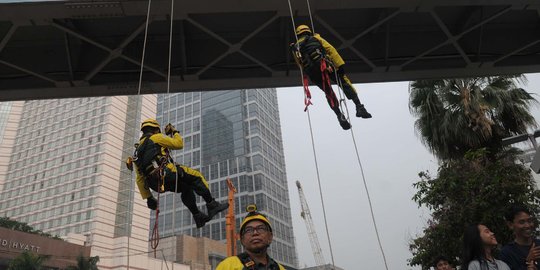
(28,261)
(84,263)
(458,115)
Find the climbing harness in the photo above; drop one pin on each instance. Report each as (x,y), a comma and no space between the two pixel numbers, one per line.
(354,141)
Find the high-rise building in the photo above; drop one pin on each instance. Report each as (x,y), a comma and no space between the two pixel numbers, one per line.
(66,175)
(236,135)
(10,114)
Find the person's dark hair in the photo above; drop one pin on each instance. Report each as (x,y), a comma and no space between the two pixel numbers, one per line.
(440,258)
(514,210)
(473,247)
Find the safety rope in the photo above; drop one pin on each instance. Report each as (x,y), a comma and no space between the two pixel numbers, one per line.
(155,231)
(169,109)
(340,86)
(313,147)
(154,239)
(144,49)
(355,147)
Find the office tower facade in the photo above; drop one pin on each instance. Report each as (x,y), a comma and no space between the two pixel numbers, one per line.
(235,135)
(10,114)
(66,175)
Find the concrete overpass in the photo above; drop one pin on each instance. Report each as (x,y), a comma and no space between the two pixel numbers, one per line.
(92,48)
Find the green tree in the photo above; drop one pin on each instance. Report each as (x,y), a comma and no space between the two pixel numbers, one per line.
(5,222)
(457,115)
(28,261)
(469,190)
(463,122)
(8,223)
(85,263)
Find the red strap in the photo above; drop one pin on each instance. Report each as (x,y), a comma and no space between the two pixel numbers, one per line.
(326,80)
(307,94)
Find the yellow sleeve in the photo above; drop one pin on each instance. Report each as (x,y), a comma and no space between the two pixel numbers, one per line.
(331,52)
(230,263)
(174,143)
(145,191)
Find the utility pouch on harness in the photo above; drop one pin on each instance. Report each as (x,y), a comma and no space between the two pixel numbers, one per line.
(154,170)
(250,264)
(246,260)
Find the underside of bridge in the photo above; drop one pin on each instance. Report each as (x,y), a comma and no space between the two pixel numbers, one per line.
(63,49)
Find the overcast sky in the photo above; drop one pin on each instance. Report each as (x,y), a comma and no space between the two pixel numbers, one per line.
(391,154)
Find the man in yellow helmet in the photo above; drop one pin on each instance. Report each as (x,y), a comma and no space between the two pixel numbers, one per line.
(321,62)
(157,171)
(255,236)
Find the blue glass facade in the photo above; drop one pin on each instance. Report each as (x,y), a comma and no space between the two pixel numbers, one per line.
(236,135)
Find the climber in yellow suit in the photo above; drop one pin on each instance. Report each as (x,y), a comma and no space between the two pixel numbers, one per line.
(320,61)
(156,170)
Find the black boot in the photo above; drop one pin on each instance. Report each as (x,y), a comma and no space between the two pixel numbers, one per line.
(214,207)
(200,219)
(362,112)
(343,122)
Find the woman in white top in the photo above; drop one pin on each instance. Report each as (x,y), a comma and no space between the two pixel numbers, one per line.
(478,243)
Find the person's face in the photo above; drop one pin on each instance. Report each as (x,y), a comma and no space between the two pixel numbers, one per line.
(443,265)
(256,237)
(522,225)
(487,236)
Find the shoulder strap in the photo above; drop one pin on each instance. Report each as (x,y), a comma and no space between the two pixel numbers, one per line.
(141,147)
(246,260)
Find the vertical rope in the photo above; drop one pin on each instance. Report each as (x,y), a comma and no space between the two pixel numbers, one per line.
(320,192)
(154,239)
(369,200)
(314,152)
(169,111)
(311,20)
(357,155)
(340,86)
(144,47)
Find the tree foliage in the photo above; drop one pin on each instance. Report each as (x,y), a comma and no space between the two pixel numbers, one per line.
(469,190)
(8,223)
(457,115)
(28,261)
(85,263)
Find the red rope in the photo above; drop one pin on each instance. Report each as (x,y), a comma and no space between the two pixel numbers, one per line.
(307,94)
(154,240)
(330,95)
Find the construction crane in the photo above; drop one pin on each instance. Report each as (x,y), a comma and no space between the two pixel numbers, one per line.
(310,226)
(230,223)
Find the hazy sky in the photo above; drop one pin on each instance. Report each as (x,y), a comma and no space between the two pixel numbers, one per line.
(391,154)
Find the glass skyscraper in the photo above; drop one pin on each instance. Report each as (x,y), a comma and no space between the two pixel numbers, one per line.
(235,135)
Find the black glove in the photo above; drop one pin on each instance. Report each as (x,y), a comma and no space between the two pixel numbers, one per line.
(169,129)
(151,203)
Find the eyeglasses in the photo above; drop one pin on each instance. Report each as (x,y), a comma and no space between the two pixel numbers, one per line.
(258,229)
